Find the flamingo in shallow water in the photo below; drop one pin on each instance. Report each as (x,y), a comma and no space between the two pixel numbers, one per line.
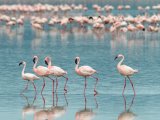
(56,71)
(126,71)
(28,76)
(85,71)
(40,70)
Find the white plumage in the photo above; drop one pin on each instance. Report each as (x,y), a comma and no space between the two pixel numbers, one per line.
(56,71)
(126,71)
(86,70)
(28,76)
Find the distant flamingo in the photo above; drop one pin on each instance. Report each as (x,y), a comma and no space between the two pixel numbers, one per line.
(85,71)
(40,70)
(28,76)
(126,71)
(56,71)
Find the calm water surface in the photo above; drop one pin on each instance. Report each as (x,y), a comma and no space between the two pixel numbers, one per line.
(96,50)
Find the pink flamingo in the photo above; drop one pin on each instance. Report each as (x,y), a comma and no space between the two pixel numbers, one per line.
(85,71)
(28,76)
(40,70)
(56,71)
(126,71)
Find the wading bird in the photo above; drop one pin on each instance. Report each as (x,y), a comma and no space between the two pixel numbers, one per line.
(28,76)
(56,71)
(85,71)
(40,71)
(125,71)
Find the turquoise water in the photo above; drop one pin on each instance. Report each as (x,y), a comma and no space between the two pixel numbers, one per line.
(96,49)
(141,52)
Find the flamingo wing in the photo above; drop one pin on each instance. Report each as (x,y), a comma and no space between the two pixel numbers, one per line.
(42,70)
(57,70)
(87,70)
(30,76)
(127,70)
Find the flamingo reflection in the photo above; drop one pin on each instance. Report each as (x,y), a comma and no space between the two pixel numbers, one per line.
(127,114)
(29,108)
(52,112)
(86,113)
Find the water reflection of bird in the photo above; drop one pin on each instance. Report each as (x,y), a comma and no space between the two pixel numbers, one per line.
(49,114)
(127,114)
(29,108)
(86,113)
(56,71)
(52,112)
(85,71)
(126,71)
(28,76)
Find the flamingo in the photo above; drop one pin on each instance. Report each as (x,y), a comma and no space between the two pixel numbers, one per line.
(85,71)
(56,71)
(40,71)
(28,76)
(125,71)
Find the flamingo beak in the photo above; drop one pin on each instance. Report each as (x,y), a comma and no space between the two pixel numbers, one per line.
(20,63)
(115,57)
(46,62)
(76,61)
(34,60)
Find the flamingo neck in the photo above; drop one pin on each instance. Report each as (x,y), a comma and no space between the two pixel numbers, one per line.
(120,63)
(24,67)
(34,66)
(49,63)
(77,66)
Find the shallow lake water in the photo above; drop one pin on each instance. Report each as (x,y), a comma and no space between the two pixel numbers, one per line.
(97,49)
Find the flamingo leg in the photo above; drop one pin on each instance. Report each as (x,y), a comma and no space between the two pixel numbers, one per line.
(50,78)
(65,99)
(44,83)
(52,88)
(96,102)
(53,91)
(132,102)
(44,101)
(56,99)
(25,87)
(34,87)
(65,84)
(85,93)
(35,97)
(124,86)
(132,85)
(85,85)
(56,84)
(95,91)
(124,98)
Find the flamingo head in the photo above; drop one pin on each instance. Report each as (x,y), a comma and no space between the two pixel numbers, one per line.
(91,18)
(22,63)
(35,58)
(47,60)
(118,56)
(77,59)
(70,19)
